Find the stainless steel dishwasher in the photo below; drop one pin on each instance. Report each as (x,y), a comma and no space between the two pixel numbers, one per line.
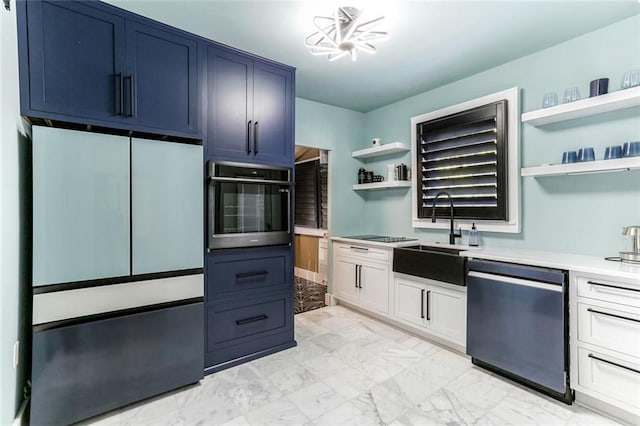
(517,324)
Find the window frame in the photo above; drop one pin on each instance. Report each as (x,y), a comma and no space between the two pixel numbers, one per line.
(512,224)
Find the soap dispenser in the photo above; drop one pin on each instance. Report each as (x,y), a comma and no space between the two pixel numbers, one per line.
(473,236)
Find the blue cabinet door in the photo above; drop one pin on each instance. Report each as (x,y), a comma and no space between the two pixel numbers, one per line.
(167,206)
(273,113)
(76,60)
(229,101)
(161,84)
(80,206)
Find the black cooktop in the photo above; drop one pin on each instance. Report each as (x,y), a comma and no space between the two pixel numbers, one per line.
(380,238)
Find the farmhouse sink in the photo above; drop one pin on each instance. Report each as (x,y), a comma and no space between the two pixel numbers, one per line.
(437,263)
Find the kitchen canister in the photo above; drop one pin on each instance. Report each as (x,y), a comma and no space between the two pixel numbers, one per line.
(402,172)
(391,172)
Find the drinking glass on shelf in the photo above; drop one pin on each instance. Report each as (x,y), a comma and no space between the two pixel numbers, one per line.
(630,79)
(550,99)
(571,94)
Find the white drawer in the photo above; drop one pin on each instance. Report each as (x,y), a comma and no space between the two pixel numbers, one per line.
(362,251)
(609,376)
(608,290)
(618,330)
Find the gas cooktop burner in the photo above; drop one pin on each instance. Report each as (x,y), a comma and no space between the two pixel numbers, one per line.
(381,238)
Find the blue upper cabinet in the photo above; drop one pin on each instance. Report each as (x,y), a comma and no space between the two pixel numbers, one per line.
(161,79)
(272,112)
(91,63)
(76,61)
(249,108)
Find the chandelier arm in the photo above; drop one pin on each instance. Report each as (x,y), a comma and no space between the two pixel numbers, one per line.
(338,56)
(354,25)
(370,36)
(338,28)
(365,47)
(374,23)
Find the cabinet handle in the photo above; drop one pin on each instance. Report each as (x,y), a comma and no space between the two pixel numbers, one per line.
(606,361)
(132,103)
(119,89)
(428,313)
(251,320)
(251,274)
(612,315)
(422,303)
(360,277)
(355,282)
(249,136)
(359,248)
(612,286)
(255,138)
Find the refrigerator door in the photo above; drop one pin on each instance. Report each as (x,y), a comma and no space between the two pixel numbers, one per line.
(80,206)
(167,206)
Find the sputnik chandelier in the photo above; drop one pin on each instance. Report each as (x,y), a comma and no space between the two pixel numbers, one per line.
(343,34)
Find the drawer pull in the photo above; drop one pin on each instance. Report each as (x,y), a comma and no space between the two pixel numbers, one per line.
(422,303)
(251,320)
(359,248)
(251,274)
(612,315)
(614,363)
(613,286)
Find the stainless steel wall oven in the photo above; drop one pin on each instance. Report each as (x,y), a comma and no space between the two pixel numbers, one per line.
(248,205)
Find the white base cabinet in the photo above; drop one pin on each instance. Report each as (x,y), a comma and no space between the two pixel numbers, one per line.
(363,279)
(436,308)
(361,276)
(605,343)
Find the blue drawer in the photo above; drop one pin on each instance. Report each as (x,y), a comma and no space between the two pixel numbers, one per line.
(241,330)
(248,271)
(84,369)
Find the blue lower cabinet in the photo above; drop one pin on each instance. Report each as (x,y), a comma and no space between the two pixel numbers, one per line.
(88,368)
(245,329)
(248,271)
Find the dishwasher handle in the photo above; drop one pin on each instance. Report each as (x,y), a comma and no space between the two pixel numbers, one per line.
(516,281)
(526,272)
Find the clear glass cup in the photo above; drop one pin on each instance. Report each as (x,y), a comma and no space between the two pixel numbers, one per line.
(630,78)
(571,94)
(550,99)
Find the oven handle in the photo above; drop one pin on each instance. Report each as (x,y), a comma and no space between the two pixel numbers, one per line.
(240,180)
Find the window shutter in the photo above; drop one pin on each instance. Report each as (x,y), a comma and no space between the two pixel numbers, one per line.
(464,154)
(306,207)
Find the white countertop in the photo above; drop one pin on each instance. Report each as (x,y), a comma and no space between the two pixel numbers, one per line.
(355,241)
(571,262)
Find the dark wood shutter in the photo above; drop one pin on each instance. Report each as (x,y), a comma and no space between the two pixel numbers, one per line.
(465,154)
(306,209)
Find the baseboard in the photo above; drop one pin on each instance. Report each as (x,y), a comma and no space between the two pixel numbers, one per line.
(330,300)
(607,409)
(249,357)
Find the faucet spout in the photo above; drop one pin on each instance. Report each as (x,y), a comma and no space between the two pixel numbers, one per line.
(452,235)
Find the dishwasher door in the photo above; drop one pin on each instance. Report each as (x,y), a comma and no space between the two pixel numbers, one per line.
(516,323)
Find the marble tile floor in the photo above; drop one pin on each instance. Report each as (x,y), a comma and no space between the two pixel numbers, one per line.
(349,369)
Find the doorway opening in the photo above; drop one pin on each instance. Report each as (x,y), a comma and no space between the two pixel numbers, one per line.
(311,228)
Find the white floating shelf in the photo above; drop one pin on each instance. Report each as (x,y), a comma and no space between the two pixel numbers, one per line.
(601,166)
(382,185)
(614,101)
(384,149)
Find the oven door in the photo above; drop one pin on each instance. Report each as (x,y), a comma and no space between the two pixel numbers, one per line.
(247,212)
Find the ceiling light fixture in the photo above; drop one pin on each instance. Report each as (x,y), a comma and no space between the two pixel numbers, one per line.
(343,34)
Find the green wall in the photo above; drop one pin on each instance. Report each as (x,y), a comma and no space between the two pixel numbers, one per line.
(576,214)
(338,130)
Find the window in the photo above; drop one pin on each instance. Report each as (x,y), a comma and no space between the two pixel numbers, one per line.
(311,194)
(470,151)
(464,155)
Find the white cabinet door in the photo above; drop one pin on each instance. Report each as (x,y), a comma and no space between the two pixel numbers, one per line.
(447,313)
(344,279)
(374,286)
(410,301)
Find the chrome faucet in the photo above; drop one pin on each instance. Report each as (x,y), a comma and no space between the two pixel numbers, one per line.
(452,235)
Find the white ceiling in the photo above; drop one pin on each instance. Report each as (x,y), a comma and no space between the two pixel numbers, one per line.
(432,42)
